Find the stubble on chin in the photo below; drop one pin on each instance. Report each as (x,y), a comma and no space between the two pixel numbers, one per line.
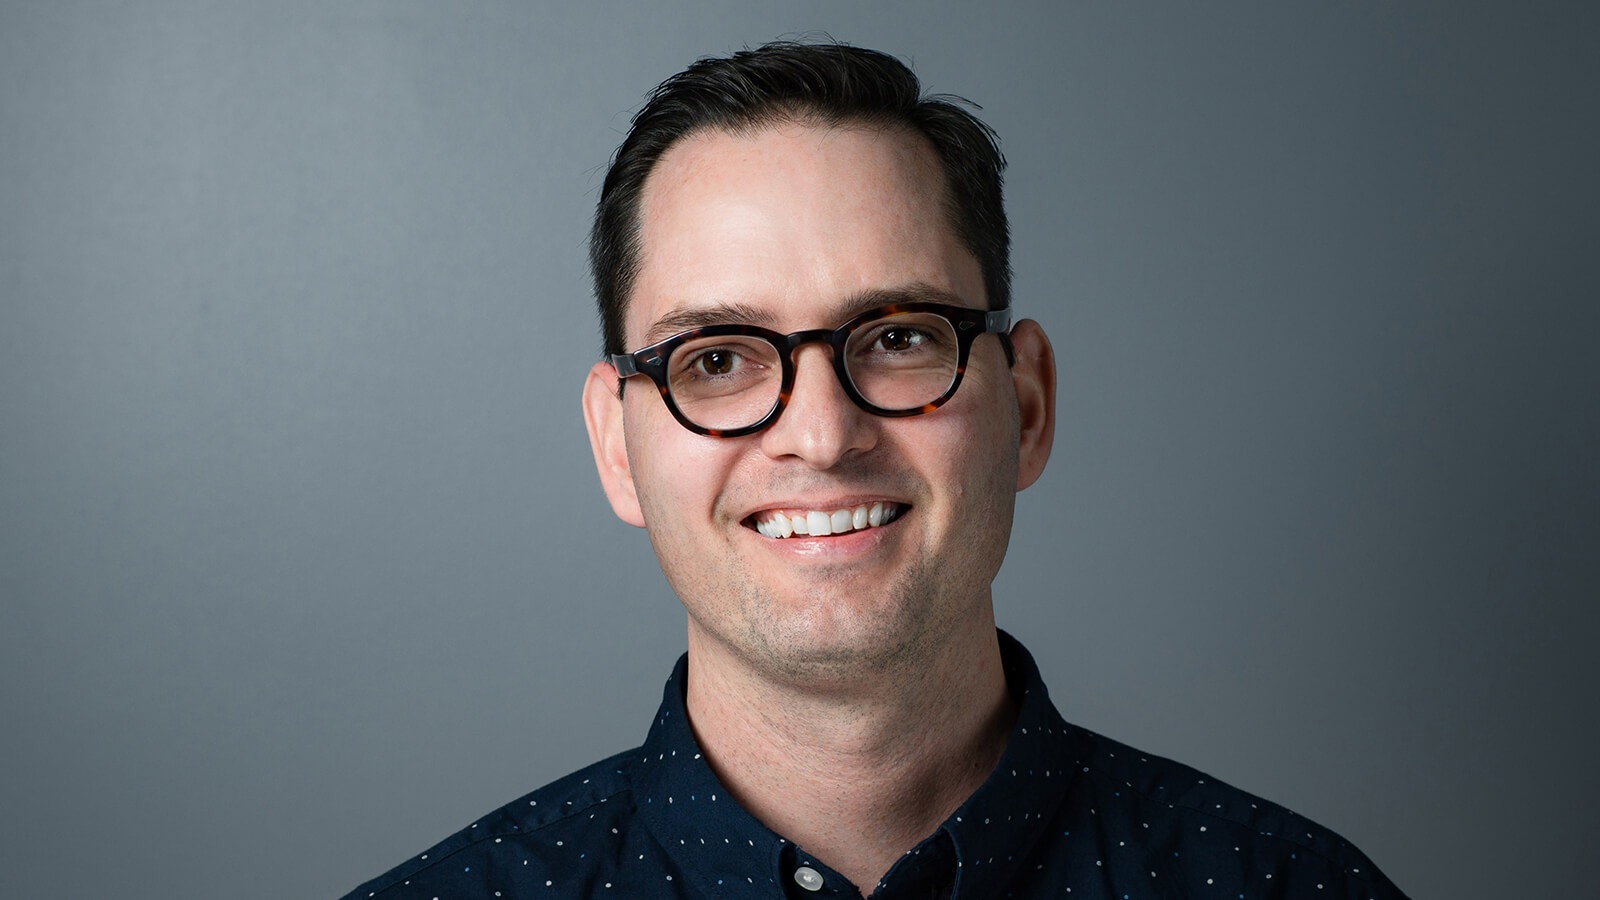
(837,638)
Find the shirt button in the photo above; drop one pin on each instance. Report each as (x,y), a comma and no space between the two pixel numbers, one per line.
(808,878)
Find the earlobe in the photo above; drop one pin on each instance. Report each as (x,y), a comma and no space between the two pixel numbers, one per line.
(602,414)
(1034,377)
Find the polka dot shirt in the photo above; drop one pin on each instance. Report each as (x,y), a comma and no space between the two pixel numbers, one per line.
(1067,813)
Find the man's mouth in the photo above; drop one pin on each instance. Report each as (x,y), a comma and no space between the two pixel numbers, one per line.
(782,523)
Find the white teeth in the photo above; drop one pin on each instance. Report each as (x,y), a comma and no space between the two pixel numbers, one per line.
(816,523)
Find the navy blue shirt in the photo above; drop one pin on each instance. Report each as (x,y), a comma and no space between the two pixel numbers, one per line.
(1066,813)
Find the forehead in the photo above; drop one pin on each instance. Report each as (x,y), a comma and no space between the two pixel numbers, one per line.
(788,223)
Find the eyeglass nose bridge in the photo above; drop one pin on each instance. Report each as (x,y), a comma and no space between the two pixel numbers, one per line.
(830,336)
(789,345)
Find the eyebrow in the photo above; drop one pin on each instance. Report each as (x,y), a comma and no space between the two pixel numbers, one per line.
(687,318)
(915,292)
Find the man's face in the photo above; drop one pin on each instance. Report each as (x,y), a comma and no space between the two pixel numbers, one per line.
(794,227)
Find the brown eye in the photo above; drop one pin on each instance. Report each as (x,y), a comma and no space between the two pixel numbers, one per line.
(899,340)
(715,362)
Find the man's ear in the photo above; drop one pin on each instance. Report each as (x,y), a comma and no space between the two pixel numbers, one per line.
(602,414)
(1034,377)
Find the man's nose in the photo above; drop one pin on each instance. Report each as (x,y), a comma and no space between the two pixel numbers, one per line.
(821,424)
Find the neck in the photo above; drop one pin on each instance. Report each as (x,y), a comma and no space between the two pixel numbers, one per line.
(859,775)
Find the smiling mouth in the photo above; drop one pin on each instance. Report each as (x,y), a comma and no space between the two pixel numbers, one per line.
(779,524)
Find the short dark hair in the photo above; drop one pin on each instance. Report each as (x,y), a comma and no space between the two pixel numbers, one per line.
(829,83)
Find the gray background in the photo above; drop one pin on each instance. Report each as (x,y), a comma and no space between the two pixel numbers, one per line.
(303,563)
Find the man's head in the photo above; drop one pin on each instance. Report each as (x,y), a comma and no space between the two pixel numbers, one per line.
(798,224)
(825,84)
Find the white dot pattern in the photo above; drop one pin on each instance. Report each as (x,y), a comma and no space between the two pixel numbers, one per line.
(1066,813)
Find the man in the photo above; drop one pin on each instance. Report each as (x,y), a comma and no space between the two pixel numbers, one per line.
(815,401)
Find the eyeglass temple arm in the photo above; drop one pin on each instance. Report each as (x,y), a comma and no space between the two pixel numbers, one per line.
(624,365)
(999,322)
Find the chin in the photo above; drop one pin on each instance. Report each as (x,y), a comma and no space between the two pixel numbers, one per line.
(828,646)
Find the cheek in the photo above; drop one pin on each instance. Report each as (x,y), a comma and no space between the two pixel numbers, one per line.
(983,418)
(977,447)
(677,474)
(965,453)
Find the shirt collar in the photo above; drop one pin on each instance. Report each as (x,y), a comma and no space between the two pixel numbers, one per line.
(716,841)
(707,833)
(1006,815)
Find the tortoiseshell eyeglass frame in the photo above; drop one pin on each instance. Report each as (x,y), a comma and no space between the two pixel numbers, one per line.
(967,323)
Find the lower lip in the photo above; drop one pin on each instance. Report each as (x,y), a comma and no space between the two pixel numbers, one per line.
(834,545)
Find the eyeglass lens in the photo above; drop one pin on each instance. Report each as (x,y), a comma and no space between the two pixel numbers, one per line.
(899,362)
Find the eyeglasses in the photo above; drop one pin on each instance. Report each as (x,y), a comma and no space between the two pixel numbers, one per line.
(904,359)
